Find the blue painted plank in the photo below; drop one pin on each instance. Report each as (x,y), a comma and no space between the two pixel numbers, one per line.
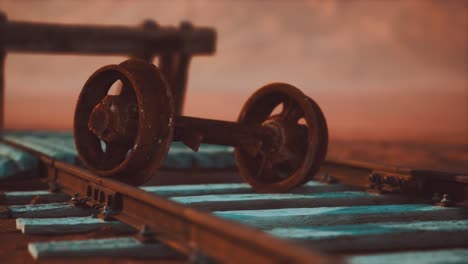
(296,217)
(449,256)
(127,247)
(67,225)
(380,236)
(199,189)
(326,232)
(224,202)
(13,161)
(49,210)
(18,198)
(60,145)
(31,142)
(237,188)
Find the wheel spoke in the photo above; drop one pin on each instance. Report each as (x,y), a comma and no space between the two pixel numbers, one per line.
(291,112)
(296,146)
(115,154)
(266,172)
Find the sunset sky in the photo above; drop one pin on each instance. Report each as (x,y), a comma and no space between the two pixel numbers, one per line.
(380,70)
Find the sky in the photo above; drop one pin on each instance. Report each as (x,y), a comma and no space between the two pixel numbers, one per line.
(380,70)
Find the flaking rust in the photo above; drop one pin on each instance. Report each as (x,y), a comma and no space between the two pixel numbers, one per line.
(274,152)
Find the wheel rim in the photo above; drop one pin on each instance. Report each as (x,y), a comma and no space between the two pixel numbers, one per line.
(133,155)
(293,163)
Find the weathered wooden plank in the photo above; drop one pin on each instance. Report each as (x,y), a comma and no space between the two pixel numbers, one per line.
(56,154)
(110,247)
(50,210)
(67,225)
(8,167)
(18,198)
(297,217)
(236,188)
(199,189)
(54,142)
(252,201)
(450,256)
(13,160)
(207,156)
(380,236)
(61,146)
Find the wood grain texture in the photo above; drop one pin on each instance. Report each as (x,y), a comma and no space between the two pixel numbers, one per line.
(67,225)
(25,197)
(111,247)
(380,236)
(60,145)
(300,217)
(450,256)
(13,161)
(44,211)
(223,202)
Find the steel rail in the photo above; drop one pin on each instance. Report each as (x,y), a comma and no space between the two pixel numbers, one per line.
(185,229)
(394,179)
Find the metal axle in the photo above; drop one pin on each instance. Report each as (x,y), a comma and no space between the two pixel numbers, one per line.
(193,131)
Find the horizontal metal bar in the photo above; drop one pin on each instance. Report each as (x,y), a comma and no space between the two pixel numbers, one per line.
(105,40)
(179,226)
(226,133)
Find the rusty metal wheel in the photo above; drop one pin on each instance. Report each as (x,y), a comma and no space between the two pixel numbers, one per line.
(300,144)
(136,126)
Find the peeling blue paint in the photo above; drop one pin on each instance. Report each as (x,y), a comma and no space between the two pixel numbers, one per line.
(325,232)
(451,256)
(60,145)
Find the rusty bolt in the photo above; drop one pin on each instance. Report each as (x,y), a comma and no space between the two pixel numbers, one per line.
(75,200)
(107,212)
(446,201)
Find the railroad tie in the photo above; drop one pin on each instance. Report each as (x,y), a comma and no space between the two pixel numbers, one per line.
(448,256)
(68,225)
(343,215)
(127,247)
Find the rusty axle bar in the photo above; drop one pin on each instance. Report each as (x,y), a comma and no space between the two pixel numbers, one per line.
(116,40)
(193,131)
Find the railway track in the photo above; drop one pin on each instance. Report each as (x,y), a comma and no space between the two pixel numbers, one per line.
(325,221)
(352,212)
